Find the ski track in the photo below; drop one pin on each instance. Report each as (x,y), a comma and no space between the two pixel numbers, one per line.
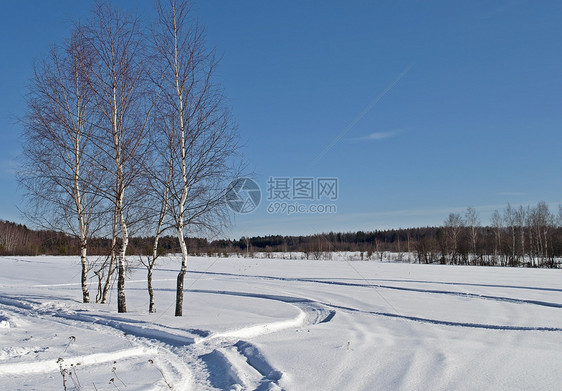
(399,288)
(176,370)
(225,360)
(329,280)
(46,366)
(229,361)
(319,312)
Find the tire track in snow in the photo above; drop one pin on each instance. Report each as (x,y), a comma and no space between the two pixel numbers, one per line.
(241,364)
(245,365)
(446,322)
(176,370)
(531,288)
(399,288)
(238,366)
(320,310)
(45,366)
(230,360)
(137,328)
(311,312)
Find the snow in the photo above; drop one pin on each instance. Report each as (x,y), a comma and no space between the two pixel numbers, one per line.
(279,324)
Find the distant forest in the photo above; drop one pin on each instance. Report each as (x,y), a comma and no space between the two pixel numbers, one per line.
(524,236)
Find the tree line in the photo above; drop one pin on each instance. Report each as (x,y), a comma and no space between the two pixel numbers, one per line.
(127,134)
(524,236)
(19,240)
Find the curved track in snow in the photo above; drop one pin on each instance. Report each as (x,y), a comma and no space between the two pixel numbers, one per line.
(374,284)
(226,358)
(196,358)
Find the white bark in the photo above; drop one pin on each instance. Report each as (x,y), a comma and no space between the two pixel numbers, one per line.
(199,126)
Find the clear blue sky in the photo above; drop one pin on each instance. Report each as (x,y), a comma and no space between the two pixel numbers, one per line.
(475,119)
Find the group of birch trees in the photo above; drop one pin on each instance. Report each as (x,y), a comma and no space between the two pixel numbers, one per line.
(524,235)
(127,131)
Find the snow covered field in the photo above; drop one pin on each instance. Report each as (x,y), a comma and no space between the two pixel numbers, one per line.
(281,324)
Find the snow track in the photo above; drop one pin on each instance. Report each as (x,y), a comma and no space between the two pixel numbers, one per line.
(225,358)
(449,323)
(241,366)
(145,344)
(91,359)
(273,325)
(235,363)
(373,284)
(310,313)
(322,313)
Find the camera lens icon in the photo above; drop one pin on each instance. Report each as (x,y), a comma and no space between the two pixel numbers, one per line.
(243,195)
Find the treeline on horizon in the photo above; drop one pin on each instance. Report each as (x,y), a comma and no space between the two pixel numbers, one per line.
(524,236)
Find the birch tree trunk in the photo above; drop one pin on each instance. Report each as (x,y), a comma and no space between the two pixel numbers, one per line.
(197,121)
(182,272)
(112,260)
(124,108)
(59,174)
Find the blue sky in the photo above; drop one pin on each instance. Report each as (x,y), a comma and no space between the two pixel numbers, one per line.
(473,116)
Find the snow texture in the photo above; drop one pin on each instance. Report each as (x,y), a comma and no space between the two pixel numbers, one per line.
(274,324)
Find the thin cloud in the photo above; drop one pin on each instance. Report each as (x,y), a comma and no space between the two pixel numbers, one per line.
(361,115)
(376,136)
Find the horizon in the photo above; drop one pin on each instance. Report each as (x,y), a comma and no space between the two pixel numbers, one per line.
(416,110)
(139,235)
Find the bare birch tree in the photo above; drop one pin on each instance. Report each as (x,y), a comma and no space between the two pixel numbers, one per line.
(520,219)
(453,228)
(473,222)
(542,222)
(150,262)
(118,76)
(497,225)
(58,175)
(199,126)
(158,188)
(8,237)
(510,219)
